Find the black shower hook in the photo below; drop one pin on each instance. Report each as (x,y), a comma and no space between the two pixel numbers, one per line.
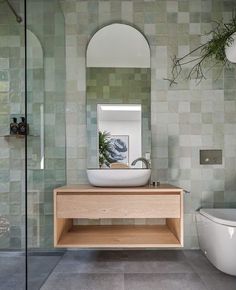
(18,17)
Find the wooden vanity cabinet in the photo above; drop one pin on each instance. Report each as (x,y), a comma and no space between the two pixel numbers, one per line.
(87,202)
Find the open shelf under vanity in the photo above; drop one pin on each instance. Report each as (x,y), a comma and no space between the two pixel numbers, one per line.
(86,202)
(118,236)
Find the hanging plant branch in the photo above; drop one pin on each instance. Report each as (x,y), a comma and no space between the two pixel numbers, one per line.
(213,51)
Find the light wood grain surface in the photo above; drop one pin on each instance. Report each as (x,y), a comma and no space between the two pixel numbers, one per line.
(119,236)
(85,201)
(118,206)
(85,188)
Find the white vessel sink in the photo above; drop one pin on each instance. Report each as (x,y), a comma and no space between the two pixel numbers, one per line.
(118,177)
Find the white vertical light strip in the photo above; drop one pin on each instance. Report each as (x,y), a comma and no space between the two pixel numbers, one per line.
(120,107)
(41,136)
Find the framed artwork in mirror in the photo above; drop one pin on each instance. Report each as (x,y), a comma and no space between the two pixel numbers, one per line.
(119,151)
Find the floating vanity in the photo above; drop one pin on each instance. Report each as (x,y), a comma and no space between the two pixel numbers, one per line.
(84,201)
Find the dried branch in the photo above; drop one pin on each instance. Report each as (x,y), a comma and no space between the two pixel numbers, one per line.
(213,50)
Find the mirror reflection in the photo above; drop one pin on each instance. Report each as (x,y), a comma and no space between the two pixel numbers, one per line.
(120,134)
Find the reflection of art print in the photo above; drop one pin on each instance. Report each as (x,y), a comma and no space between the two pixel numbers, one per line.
(119,148)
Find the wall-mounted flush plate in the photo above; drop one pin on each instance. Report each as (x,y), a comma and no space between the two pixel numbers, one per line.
(213,156)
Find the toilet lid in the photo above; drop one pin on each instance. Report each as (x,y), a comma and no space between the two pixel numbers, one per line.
(224,216)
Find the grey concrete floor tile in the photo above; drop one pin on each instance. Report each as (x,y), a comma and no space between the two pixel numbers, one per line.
(182,282)
(35,283)
(124,255)
(39,268)
(103,270)
(158,267)
(41,264)
(163,282)
(80,256)
(15,282)
(90,267)
(142,282)
(12,273)
(199,262)
(11,265)
(59,281)
(132,261)
(219,281)
(154,255)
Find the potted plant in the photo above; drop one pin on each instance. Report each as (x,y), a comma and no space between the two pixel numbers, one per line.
(213,51)
(104,147)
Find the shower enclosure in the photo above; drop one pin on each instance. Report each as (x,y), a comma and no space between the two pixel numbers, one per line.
(32,86)
(12,147)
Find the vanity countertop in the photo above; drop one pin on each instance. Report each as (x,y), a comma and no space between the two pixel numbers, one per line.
(86,188)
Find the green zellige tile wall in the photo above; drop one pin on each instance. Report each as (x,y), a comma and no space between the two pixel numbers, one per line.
(46,88)
(46,21)
(11,149)
(185,118)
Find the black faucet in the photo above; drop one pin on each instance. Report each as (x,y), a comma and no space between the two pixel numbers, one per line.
(144,160)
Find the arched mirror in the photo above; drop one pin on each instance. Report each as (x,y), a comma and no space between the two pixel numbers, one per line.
(118,83)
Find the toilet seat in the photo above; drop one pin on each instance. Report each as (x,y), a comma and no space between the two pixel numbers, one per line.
(224,216)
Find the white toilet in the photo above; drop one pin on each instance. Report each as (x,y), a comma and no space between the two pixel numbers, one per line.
(217,237)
